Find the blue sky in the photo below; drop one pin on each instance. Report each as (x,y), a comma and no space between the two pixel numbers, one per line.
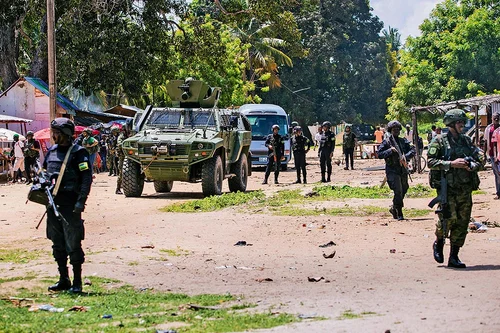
(405,15)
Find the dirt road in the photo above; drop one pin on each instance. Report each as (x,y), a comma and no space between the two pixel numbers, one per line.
(404,291)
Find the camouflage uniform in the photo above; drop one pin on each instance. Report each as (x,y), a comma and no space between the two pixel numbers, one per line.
(111,143)
(461,182)
(121,157)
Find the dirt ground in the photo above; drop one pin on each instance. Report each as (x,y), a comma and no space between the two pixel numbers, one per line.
(405,291)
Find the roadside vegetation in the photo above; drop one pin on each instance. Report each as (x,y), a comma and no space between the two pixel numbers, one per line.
(108,306)
(19,256)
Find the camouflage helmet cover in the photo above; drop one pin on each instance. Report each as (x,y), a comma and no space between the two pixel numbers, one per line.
(393,124)
(453,116)
(65,125)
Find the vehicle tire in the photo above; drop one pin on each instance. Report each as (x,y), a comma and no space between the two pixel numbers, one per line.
(163,186)
(212,175)
(133,179)
(240,169)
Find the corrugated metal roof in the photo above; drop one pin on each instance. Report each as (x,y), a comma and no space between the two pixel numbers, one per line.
(5,119)
(62,101)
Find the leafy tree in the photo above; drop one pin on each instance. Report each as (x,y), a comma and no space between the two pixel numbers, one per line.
(457,56)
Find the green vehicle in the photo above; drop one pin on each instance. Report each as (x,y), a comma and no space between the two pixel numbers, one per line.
(193,141)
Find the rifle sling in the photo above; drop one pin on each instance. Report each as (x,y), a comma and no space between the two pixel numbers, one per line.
(61,172)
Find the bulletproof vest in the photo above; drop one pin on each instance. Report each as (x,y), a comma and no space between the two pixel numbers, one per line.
(457,178)
(299,143)
(327,141)
(54,161)
(276,142)
(29,152)
(393,159)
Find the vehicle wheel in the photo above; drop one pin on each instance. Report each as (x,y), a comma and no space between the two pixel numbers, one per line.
(240,169)
(163,186)
(212,176)
(284,167)
(133,179)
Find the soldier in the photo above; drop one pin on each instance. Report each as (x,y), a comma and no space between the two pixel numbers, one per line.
(275,151)
(447,158)
(326,148)
(396,151)
(300,146)
(70,197)
(348,144)
(31,154)
(111,150)
(91,145)
(124,134)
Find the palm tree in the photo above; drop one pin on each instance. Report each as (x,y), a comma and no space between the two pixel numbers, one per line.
(393,38)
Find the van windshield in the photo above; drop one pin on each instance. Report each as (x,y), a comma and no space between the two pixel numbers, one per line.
(262,125)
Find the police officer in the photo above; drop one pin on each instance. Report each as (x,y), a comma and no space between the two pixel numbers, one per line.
(70,199)
(326,148)
(275,144)
(124,134)
(31,154)
(300,147)
(446,157)
(396,151)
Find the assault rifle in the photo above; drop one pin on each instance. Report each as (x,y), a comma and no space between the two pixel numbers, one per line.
(43,185)
(443,208)
(402,158)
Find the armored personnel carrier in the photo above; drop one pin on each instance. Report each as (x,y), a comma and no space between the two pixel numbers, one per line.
(192,141)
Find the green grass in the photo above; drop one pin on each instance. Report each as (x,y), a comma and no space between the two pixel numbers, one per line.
(132,310)
(369,192)
(175,252)
(349,314)
(27,277)
(344,211)
(19,256)
(215,202)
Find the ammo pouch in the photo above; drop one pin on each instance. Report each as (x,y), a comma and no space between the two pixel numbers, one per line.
(435,179)
(38,195)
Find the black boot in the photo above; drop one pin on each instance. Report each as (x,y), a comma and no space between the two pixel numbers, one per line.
(77,279)
(329,178)
(64,283)
(118,191)
(453,261)
(323,179)
(305,180)
(438,250)
(265,181)
(400,213)
(394,212)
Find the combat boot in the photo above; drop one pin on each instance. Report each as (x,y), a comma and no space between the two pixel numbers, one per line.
(305,180)
(438,250)
(297,181)
(265,181)
(400,213)
(394,213)
(77,279)
(64,283)
(118,191)
(329,178)
(454,261)
(323,179)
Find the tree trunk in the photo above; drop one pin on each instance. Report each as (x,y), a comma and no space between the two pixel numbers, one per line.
(39,65)
(8,54)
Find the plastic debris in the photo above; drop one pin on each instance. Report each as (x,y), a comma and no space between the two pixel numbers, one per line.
(329,256)
(330,243)
(307,316)
(315,279)
(392,250)
(78,308)
(107,316)
(241,243)
(477,227)
(264,280)
(150,246)
(50,308)
(166,331)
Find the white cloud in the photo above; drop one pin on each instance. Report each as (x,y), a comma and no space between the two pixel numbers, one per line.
(404,15)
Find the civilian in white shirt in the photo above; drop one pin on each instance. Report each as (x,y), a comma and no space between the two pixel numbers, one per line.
(19,157)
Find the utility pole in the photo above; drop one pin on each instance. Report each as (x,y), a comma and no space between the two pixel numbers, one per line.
(51,45)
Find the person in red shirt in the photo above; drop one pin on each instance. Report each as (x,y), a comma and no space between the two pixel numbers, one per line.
(492,138)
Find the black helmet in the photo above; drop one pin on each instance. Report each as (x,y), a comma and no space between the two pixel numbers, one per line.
(294,124)
(453,116)
(276,126)
(297,129)
(327,124)
(393,124)
(30,133)
(65,125)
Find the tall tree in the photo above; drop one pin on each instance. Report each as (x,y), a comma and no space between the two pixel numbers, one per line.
(457,56)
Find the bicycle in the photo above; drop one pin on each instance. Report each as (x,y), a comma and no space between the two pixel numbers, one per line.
(412,164)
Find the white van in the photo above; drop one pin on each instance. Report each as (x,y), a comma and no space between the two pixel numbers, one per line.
(262,117)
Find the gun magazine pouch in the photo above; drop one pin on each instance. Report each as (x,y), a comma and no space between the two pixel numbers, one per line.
(37,194)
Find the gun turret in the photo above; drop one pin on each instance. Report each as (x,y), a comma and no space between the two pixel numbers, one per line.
(192,93)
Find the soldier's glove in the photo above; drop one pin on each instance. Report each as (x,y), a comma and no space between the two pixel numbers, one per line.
(80,204)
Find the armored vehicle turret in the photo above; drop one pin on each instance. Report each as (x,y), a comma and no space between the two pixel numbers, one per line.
(192,141)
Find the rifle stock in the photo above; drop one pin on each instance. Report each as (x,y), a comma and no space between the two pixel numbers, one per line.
(48,185)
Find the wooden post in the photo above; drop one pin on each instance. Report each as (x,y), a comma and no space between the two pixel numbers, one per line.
(476,115)
(415,138)
(51,52)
